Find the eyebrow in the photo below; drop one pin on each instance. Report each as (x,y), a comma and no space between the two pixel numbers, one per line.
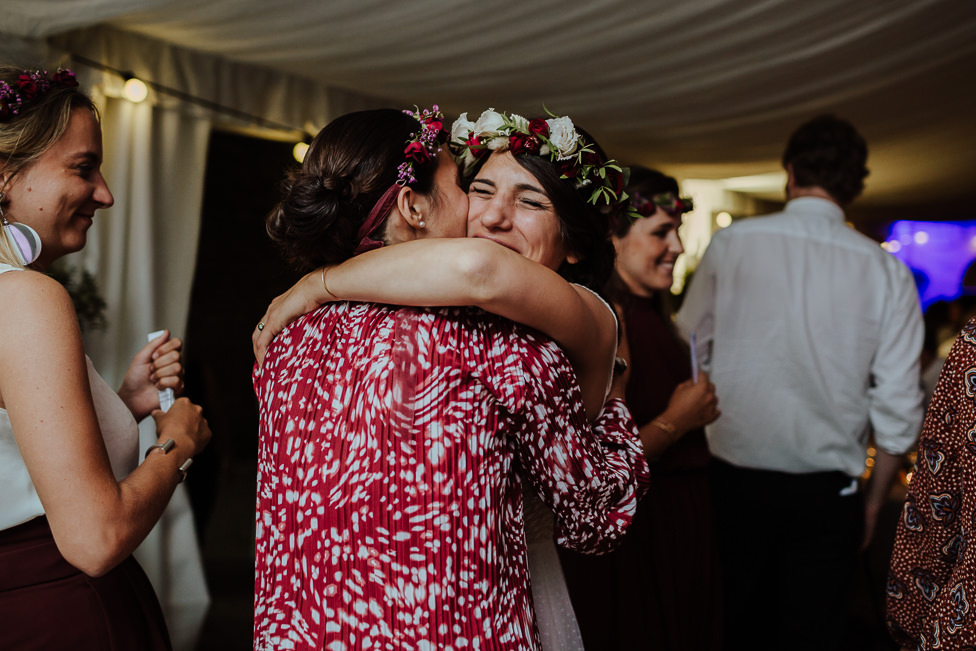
(521,186)
(84,155)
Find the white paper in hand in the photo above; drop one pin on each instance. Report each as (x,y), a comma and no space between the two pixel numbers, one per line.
(166,396)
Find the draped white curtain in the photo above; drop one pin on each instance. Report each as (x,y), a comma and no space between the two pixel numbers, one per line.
(142,253)
(142,250)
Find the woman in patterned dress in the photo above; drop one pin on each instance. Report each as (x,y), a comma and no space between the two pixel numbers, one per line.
(488,404)
(932,582)
(74,499)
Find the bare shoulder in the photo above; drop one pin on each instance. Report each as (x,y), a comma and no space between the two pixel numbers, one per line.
(34,303)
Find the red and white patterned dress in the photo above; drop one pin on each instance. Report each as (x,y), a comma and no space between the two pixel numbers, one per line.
(392,449)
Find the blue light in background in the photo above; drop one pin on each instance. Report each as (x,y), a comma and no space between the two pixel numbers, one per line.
(938,253)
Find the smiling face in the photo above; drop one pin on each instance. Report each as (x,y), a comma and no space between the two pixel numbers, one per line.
(506,204)
(58,194)
(646,255)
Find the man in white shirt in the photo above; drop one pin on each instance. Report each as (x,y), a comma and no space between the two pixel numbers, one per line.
(811,333)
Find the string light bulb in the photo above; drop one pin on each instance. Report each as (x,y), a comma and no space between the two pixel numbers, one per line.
(135,90)
(299,151)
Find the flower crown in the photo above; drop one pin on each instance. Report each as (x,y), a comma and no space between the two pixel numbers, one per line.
(424,145)
(669,202)
(601,181)
(30,86)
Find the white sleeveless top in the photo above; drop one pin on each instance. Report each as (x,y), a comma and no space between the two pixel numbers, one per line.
(18,499)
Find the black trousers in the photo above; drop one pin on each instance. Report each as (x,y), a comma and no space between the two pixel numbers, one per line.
(788,545)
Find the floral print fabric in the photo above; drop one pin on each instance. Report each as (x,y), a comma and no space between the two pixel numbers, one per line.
(932,582)
(393,444)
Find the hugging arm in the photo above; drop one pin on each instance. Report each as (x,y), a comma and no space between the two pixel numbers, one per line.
(458,271)
(591,477)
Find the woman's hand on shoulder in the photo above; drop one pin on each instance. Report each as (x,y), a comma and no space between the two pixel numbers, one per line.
(306,295)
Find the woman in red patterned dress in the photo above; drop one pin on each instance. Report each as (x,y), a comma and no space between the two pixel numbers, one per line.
(394,441)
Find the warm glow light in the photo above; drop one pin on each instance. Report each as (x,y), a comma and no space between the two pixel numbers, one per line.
(135,90)
(723,220)
(894,246)
(299,151)
(921,237)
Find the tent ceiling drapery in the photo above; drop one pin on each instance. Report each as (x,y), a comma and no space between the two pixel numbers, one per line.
(702,88)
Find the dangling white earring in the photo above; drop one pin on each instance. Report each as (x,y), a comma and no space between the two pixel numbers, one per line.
(26,241)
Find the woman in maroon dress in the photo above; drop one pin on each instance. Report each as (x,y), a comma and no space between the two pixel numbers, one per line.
(659,589)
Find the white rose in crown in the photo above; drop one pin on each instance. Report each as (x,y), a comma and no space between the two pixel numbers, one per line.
(563,136)
(461,128)
(489,124)
(519,123)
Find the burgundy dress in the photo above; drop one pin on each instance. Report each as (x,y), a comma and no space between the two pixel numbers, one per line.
(660,588)
(393,443)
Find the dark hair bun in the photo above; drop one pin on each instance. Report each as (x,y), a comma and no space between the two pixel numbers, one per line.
(337,188)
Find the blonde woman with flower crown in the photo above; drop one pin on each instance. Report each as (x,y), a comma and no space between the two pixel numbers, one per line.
(74,500)
(435,416)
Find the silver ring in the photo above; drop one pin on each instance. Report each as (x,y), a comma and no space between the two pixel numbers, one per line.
(261,326)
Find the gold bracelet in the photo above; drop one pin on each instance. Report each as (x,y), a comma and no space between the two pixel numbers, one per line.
(326,287)
(664,427)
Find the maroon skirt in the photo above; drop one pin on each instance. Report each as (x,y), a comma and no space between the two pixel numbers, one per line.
(47,603)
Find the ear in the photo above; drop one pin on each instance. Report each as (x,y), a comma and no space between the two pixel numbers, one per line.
(572,258)
(413,208)
(790,180)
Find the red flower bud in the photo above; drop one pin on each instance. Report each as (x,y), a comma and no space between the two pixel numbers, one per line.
(416,151)
(568,169)
(539,127)
(591,158)
(65,78)
(516,143)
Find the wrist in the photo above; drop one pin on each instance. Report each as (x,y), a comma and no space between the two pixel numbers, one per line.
(164,448)
(328,295)
(663,425)
(675,420)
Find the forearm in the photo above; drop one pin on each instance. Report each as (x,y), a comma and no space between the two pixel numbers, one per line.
(432,272)
(109,530)
(883,475)
(658,435)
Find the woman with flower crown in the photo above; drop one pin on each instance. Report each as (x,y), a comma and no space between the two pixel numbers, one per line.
(394,440)
(74,501)
(659,589)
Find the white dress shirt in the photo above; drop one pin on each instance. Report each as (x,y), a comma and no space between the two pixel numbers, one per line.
(812,334)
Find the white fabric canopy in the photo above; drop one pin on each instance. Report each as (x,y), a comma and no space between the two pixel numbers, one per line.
(702,88)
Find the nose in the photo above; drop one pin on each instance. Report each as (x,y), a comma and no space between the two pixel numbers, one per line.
(102,195)
(495,215)
(674,243)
